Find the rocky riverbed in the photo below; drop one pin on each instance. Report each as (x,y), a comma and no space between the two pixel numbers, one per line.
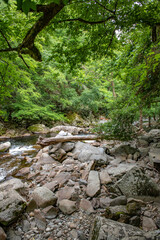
(85,191)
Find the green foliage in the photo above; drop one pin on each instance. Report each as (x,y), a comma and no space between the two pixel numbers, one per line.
(87,68)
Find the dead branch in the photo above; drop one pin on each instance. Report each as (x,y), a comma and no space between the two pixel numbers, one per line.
(53,140)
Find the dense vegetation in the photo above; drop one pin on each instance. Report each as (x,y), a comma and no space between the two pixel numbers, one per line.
(88,57)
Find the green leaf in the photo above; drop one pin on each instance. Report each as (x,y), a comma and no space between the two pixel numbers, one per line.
(26,6)
(6,1)
(56,1)
(65,2)
(33,6)
(19,4)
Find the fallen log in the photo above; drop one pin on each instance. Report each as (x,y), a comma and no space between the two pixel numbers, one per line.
(52,140)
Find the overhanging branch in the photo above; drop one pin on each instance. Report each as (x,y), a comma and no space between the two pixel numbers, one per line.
(85,21)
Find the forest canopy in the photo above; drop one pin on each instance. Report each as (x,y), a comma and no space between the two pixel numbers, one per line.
(89,57)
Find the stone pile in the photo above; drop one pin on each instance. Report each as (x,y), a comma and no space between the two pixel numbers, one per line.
(72,186)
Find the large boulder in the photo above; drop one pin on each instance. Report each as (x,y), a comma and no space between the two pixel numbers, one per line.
(152,136)
(44,197)
(136,183)
(124,149)
(14,184)
(85,152)
(107,229)
(69,129)
(38,128)
(11,206)
(5,146)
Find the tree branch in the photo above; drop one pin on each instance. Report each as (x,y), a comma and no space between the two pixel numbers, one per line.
(85,21)
(5,38)
(100,4)
(9,49)
(23,60)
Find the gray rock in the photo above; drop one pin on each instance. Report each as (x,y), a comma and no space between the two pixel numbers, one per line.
(148,224)
(154,155)
(5,146)
(123,149)
(14,184)
(44,197)
(143,151)
(104,202)
(152,136)
(40,220)
(86,206)
(50,212)
(62,177)
(136,183)
(11,206)
(45,158)
(67,206)
(107,229)
(86,152)
(12,235)
(93,187)
(69,129)
(121,200)
(68,146)
(120,169)
(104,177)
(26,226)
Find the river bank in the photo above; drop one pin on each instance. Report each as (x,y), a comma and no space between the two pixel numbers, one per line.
(70,187)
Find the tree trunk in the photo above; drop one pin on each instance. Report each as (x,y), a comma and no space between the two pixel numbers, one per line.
(141,119)
(53,140)
(149,121)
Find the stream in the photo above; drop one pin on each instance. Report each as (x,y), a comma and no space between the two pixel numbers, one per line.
(18,156)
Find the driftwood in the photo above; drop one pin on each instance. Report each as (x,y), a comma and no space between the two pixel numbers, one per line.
(53,140)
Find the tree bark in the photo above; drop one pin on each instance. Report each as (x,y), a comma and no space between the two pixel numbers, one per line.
(53,140)
(141,119)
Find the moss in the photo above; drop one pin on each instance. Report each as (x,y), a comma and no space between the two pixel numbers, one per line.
(133,208)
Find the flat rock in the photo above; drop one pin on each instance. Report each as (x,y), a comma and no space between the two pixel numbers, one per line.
(45,159)
(51,185)
(44,197)
(86,206)
(93,186)
(65,193)
(148,224)
(62,177)
(104,177)
(136,183)
(67,206)
(120,169)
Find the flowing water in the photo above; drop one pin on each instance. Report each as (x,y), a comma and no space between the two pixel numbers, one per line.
(21,149)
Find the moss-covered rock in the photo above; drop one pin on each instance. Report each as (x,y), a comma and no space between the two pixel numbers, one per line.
(38,128)
(136,183)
